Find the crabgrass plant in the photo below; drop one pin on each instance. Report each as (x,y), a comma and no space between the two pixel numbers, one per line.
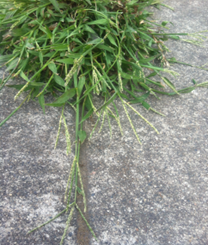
(74,49)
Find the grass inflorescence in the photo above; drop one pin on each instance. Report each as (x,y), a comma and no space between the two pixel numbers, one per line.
(74,49)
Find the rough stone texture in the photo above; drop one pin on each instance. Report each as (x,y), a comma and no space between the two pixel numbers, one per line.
(151,194)
(32,174)
(157,193)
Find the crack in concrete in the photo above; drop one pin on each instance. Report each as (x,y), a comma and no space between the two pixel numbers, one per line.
(83,233)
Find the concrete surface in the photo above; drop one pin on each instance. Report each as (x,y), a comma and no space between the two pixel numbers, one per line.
(157,193)
(33,174)
(152,194)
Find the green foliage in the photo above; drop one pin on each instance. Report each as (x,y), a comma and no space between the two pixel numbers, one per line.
(76,48)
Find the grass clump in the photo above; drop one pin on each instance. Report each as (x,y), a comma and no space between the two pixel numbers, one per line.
(76,49)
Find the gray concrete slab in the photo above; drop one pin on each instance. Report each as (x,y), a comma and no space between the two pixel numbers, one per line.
(157,193)
(33,174)
(151,194)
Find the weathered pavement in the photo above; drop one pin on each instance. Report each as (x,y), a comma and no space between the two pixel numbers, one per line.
(152,194)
